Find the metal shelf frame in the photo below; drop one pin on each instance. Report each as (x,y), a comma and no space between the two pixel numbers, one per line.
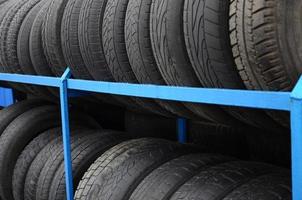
(284,101)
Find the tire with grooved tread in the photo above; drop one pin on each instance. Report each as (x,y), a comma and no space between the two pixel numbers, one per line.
(27,157)
(23,53)
(90,41)
(70,40)
(169,48)
(220,180)
(21,131)
(8,114)
(37,55)
(51,36)
(266,37)
(113,32)
(38,163)
(56,158)
(36,50)
(139,50)
(209,49)
(276,185)
(165,180)
(6,19)
(116,174)
(15,138)
(18,14)
(83,157)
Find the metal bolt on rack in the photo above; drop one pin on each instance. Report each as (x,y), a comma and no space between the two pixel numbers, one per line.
(284,101)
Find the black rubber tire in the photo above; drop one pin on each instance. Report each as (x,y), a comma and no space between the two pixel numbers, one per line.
(71,44)
(7,115)
(210,52)
(266,37)
(116,174)
(139,50)
(70,40)
(51,36)
(165,180)
(56,159)
(114,45)
(36,50)
(15,138)
(27,157)
(168,43)
(23,53)
(218,181)
(23,40)
(37,56)
(83,156)
(14,21)
(90,39)
(20,132)
(6,21)
(34,171)
(269,187)
(8,65)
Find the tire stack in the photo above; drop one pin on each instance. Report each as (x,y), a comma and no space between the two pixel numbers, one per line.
(31,153)
(107,164)
(238,44)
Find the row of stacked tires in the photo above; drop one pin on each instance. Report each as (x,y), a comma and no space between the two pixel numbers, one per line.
(239,44)
(109,165)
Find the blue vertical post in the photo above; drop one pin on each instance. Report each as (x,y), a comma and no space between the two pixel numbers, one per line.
(6,97)
(66,134)
(182,130)
(296,140)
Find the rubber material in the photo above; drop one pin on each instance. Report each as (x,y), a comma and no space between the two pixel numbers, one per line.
(15,138)
(113,32)
(20,132)
(23,52)
(209,49)
(165,180)
(116,174)
(37,56)
(265,36)
(11,8)
(70,40)
(34,171)
(51,36)
(36,49)
(8,114)
(169,48)
(83,157)
(91,46)
(218,181)
(55,160)
(269,187)
(139,50)
(27,157)
(90,39)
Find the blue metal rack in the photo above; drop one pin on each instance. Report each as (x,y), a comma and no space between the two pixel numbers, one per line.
(285,101)
(6,97)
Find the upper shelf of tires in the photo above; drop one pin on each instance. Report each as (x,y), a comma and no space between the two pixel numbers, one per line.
(238,44)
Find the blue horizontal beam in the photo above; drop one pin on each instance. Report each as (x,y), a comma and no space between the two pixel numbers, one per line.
(30,79)
(242,98)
